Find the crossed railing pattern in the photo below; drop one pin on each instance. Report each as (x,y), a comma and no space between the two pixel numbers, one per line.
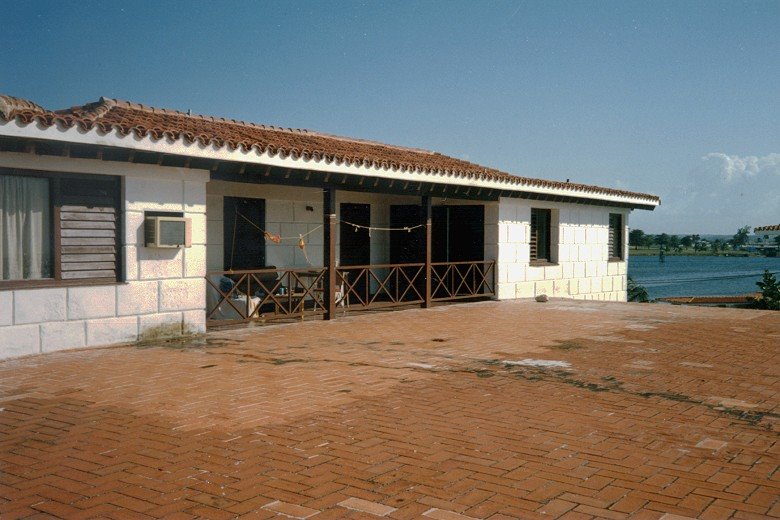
(268,294)
(264,294)
(382,285)
(460,280)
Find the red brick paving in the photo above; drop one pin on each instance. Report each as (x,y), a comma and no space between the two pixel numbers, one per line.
(663,412)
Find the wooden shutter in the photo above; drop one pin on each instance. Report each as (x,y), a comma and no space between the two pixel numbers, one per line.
(615,244)
(534,234)
(540,234)
(89,229)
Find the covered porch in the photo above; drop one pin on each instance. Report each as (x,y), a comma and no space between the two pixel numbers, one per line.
(285,244)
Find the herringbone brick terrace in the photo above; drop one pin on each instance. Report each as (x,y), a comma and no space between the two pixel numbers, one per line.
(487,410)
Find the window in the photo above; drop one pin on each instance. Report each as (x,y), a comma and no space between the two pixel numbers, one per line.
(25,228)
(615,237)
(540,235)
(58,228)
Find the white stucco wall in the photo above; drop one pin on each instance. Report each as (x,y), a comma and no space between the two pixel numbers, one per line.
(164,292)
(580,268)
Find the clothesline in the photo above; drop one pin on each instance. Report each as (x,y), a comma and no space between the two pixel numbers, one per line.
(408,229)
(277,239)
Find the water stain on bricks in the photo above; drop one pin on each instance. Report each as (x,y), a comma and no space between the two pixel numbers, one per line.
(535,373)
(567,345)
(279,361)
(191,342)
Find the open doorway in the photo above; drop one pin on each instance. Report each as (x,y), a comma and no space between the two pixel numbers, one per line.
(355,243)
(244,244)
(408,247)
(458,233)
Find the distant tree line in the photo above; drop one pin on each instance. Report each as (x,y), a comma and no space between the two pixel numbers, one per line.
(638,238)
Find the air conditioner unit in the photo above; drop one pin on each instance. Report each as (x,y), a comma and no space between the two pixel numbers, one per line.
(169,232)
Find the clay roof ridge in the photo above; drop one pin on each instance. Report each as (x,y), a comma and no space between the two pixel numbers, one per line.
(775,227)
(10,105)
(91,111)
(138,106)
(371,142)
(120,103)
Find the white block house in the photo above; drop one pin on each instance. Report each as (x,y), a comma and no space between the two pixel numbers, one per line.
(265,223)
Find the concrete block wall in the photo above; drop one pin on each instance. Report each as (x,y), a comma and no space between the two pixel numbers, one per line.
(164,291)
(579,266)
(286,214)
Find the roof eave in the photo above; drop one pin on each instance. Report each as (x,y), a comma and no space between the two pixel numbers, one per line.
(95,136)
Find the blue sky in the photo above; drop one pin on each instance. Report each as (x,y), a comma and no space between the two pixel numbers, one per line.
(680,99)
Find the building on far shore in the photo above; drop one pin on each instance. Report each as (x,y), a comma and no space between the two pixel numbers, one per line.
(123,222)
(767,233)
(764,240)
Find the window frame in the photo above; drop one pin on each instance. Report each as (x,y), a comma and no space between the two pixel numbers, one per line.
(534,258)
(55,205)
(615,238)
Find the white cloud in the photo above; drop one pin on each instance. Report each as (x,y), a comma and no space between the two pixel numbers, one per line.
(719,195)
(734,167)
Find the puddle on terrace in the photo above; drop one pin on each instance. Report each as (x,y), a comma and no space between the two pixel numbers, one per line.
(539,363)
(567,344)
(615,339)
(640,326)
(424,366)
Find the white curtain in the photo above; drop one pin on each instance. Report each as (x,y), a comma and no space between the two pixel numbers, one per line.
(25,228)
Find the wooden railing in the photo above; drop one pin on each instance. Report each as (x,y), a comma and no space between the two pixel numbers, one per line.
(262,295)
(381,285)
(462,280)
(270,294)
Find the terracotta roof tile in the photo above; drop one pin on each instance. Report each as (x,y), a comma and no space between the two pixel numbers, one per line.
(10,106)
(776,227)
(124,118)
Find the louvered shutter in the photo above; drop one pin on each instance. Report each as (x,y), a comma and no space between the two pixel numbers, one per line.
(89,229)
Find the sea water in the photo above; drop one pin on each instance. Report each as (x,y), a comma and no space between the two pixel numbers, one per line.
(700,275)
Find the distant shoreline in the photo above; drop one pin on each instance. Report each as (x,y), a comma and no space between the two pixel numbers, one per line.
(699,275)
(654,251)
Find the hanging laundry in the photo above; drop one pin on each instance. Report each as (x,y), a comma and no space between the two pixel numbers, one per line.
(276,239)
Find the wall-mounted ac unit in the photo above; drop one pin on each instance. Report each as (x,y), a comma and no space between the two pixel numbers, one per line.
(170,232)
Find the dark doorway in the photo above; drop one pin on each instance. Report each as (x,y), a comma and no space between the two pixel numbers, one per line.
(458,233)
(355,243)
(408,247)
(244,243)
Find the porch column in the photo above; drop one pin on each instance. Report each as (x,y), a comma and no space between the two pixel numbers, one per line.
(329,251)
(427,220)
